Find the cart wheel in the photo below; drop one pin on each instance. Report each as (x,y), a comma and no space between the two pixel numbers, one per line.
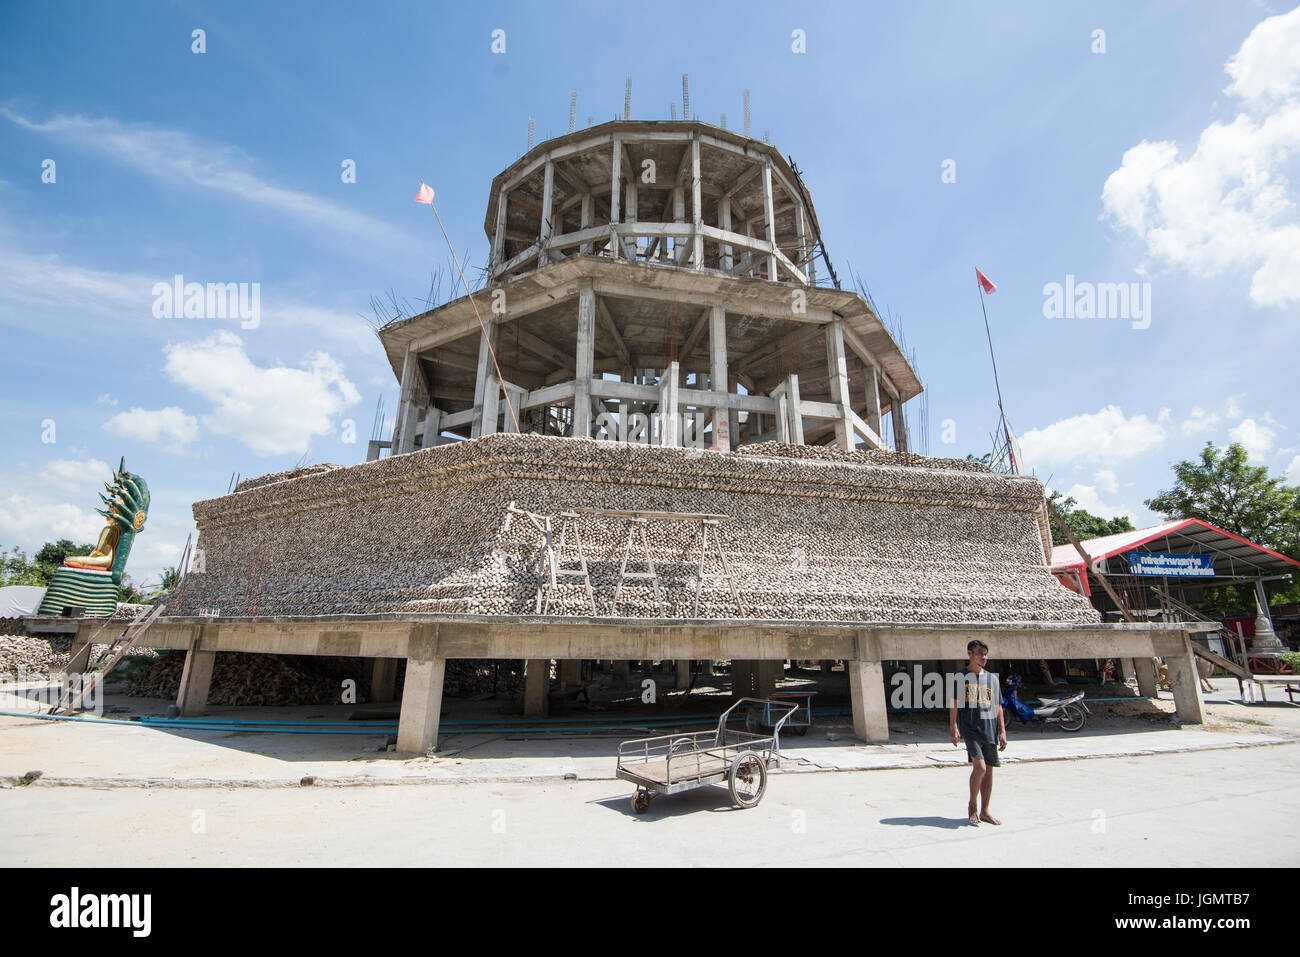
(641,801)
(748,780)
(1072,717)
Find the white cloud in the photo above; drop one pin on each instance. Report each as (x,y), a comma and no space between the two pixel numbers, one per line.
(1266,67)
(27,522)
(1107,481)
(1255,437)
(1234,407)
(45,280)
(175,157)
(169,427)
(1199,421)
(1105,436)
(105,399)
(1088,499)
(72,475)
(1227,207)
(1292,472)
(272,410)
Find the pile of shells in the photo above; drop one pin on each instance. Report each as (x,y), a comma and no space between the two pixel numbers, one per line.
(241,680)
(815,534)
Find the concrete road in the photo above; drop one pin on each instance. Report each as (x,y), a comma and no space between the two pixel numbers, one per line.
(1226,807)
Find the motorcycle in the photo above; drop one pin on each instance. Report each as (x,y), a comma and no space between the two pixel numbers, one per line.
(1070,712)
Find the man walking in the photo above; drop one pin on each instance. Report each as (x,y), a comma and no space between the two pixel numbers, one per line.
(975,715)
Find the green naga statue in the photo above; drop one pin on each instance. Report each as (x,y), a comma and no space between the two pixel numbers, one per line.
(91,581)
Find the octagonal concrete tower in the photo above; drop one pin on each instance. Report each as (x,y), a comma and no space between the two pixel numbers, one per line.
(651,281)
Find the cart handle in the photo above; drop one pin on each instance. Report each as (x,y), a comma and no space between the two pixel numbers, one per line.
(790,708)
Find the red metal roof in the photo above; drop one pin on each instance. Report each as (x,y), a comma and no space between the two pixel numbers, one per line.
(1185,535)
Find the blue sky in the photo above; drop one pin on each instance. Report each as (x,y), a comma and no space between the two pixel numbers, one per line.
(1168,159)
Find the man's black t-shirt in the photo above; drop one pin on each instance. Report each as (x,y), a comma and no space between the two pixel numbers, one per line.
(979,700)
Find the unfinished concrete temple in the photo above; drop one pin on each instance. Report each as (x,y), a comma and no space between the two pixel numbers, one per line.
(651,281)
(650,436)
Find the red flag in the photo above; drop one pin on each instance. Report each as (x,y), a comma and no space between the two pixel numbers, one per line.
(425,195)
(984,282)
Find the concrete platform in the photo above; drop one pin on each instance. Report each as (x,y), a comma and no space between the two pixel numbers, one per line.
(426,641)
(85,754)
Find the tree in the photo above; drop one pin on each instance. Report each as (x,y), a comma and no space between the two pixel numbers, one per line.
(1082,522)
(1224,490)
(17,569)
(52,554)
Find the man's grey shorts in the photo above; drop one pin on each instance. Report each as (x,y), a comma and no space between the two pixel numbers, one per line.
(978,748)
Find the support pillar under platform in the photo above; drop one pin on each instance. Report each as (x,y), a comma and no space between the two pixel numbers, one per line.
(196,680)
(683,673)
(383,679)
(622,672)
(417,723)
(1147,678)
(755,679)
(537,685)
(867,693)
(1185,680)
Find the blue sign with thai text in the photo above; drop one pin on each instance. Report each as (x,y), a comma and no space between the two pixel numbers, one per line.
(1169,565)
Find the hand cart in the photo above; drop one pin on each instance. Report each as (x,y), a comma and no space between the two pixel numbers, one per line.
(672,763)
(756,719)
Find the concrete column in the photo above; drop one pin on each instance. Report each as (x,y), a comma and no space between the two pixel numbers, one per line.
(1128,669)
(769,216)
(407,412)
(548,196)
(537,686)
(585,223)
(697,206)
(570,673)
(622,672)
(867,692)
(794,414)
(873,400)
(615,199)
(383,679)
(432,430)
(499,235)
(196,680)
(417,723)
(722,436)
(838,370)
(754,679)
(485,382)
(724,223)
(683,673)
(1147,677)
(669,416)
(80,659)
(1187,687)
(900,425)
(584,361)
